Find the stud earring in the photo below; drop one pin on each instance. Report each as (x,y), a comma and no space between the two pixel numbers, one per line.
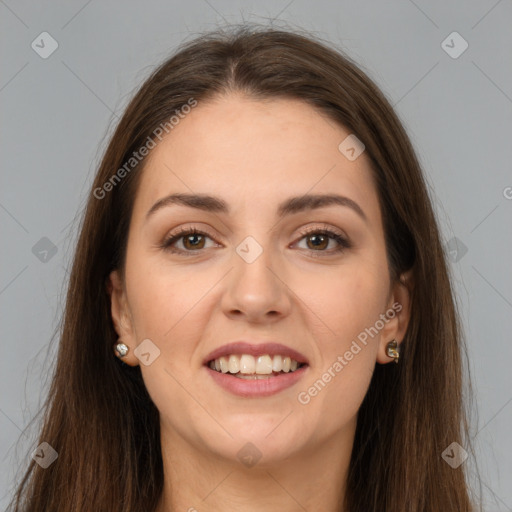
(392,350)
(121,350)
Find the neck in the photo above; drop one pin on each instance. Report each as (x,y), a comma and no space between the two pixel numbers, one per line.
(196,481)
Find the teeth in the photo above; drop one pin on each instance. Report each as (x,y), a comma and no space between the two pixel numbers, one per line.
(248,367)
(233,364)
(247,364)
(263,365)
(277,363)
(223,363)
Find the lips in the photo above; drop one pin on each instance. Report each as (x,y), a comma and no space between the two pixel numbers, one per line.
(255,370)
(261,349)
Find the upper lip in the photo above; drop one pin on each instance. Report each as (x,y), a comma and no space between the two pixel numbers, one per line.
(255,349)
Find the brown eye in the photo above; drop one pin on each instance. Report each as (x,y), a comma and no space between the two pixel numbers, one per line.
(317,242)
(192,240)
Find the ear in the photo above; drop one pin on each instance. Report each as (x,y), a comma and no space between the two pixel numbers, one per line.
(121,316)
(398,313)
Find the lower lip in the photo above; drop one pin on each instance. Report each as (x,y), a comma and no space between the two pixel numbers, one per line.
(257,387)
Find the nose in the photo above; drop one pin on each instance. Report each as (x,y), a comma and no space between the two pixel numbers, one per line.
(256,291)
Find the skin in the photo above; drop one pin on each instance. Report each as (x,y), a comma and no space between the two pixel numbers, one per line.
(255,154)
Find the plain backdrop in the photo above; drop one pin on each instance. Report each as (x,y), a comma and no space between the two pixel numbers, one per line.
(58,111)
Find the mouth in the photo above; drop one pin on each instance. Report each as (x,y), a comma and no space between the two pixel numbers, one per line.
(250,370)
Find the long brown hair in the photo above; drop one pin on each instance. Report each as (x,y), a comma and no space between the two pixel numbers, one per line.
(98,414)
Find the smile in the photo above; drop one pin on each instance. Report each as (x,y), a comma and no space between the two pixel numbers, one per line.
(255,369)
(243,377)
(246,366)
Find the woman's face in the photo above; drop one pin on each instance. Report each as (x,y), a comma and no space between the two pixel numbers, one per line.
(253,177)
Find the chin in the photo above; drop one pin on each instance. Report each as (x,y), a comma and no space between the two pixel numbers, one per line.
(266,440)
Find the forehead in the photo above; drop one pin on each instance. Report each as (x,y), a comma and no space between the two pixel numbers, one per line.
(256,152)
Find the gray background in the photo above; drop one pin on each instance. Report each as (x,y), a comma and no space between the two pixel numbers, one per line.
(58,111)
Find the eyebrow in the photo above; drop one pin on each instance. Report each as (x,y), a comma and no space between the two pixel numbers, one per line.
(288,207)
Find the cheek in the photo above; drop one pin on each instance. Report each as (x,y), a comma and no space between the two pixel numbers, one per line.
(169,308)
(162,301)
(349,306)
(346,301)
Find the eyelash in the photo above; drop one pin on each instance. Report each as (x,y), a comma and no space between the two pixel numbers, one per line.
(343,243)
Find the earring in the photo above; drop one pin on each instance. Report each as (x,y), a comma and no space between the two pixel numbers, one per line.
(121,350)
(392,350)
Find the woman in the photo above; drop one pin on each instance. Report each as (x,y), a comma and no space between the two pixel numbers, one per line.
(258,247)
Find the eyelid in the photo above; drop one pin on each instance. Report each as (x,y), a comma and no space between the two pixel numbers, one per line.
(323,228)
